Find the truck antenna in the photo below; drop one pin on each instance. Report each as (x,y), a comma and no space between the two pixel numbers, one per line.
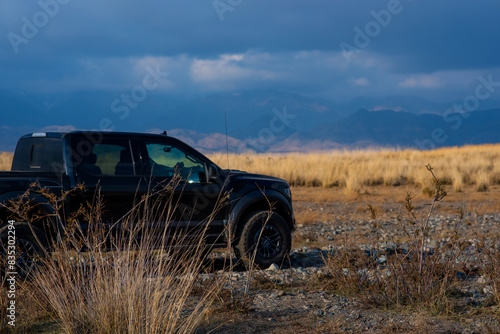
(227,142)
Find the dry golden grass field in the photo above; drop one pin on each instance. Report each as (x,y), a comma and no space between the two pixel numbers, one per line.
(477,166)
(5,160)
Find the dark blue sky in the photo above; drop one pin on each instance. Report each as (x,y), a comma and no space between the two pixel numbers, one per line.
(433,49)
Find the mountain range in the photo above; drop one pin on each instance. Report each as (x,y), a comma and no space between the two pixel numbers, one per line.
(257,120)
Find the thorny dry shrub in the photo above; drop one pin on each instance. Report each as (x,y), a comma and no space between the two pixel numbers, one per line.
(396,274)
(128,281)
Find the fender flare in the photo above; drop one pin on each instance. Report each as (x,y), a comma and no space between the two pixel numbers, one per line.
(256,198)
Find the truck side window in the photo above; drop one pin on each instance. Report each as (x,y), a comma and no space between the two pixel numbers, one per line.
(114,158)
(167,160)
(109,158)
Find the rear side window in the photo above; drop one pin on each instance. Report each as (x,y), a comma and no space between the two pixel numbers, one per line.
(108,158)
(40,154)
(114,158)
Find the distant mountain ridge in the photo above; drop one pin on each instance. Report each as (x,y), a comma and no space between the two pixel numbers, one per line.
(387,128)
(258,120)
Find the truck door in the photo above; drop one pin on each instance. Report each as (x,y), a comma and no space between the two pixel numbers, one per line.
(109,168)
(178,177)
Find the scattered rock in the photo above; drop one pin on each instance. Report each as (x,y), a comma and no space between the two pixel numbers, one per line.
(273,267)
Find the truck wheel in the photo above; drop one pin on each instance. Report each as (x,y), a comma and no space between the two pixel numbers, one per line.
(264,240)
(29,249)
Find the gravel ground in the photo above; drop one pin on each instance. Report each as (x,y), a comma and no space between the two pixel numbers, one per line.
(284,300)
(292,299)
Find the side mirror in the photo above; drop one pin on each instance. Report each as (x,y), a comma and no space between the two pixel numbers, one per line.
(212,173)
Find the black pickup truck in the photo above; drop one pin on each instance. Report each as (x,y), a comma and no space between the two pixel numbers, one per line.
(253,213)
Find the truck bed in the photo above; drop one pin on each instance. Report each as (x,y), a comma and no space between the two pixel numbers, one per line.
(15,181)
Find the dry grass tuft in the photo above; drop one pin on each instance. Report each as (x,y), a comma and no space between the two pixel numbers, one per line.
(132,282)
(482,181)
(458,180)
(123,292)
(352,186)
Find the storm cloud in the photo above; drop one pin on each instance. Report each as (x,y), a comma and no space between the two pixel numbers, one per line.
(333,49)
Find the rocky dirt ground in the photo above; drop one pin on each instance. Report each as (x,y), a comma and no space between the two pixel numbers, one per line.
(290,299)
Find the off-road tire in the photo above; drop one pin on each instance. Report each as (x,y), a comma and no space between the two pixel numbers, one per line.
(264,240)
